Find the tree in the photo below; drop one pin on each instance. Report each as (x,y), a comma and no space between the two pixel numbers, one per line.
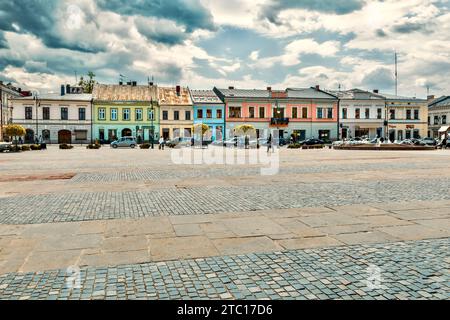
(14,130)
(88,85)
(200,127)
(244,128)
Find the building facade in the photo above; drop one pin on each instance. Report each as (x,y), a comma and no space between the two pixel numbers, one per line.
(438,116)
(125,110)
(406,118)
(209,109)
(176,118)
(7,93)
(361,114)
(305,113)
(55,118)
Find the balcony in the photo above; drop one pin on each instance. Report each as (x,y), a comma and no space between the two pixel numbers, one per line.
(279,122)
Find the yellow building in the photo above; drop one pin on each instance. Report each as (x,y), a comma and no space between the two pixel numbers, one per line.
(406,117)
(176,118)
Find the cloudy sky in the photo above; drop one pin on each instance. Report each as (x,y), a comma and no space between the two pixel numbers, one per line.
(245,43)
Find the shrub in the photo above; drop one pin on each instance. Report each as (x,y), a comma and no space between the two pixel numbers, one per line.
(26,148)
(145,146)
(35,147)
(294,146)
(93,146)
(65,146)
(15,149)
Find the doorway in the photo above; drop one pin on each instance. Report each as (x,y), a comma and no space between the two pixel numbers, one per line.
(64,136)
(29,136)
(126,132)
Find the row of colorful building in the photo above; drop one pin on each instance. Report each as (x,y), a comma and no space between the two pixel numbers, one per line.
(150,111)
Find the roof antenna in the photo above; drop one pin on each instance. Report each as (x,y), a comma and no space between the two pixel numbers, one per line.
(76,78)
(396,74)
(339,87)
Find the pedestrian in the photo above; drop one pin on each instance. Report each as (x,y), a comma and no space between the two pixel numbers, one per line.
(161,143)
(20,140)
(246,141)
(269,143)
(444,143)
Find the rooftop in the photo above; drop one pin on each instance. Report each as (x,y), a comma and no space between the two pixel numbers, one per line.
(204,96)
(168,96)
(116,92)
(356,94)
(59,97)
(443,101)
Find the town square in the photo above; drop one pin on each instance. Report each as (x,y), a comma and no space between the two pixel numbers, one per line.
(224,158)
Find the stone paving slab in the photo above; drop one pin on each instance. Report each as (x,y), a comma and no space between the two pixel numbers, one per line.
(407,270)
(176,237)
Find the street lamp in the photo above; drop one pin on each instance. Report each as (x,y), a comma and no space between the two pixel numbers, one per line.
(152,127)
(36,103)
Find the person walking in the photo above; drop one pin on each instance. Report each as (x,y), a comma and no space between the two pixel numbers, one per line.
(269,143)
(161,143)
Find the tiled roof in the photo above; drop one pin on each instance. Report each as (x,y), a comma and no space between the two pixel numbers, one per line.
(204,96)
(396,97)
(59,97)
(356,94)
(244,93)
(115,92)
(443,101)
(309,93)
(168,96)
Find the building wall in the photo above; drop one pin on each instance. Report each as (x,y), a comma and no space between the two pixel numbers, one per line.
(400,124)
(439,117)
(214,122)
(139,128)
(55,124)
(181,127)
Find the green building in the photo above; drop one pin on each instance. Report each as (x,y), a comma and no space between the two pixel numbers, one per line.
(125,110)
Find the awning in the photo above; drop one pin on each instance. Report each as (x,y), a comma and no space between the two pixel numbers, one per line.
(444,129)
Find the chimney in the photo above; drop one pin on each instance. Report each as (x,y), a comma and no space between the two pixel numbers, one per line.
(120,83)
(63,90)
(269,88)
(20,90)
(178,90)
(429,98)
(129,83)
(67,88)
(151,83)
(317,87)
(134,83)
(231,88)
(376,91)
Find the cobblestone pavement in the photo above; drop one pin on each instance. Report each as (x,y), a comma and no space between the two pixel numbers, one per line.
(406,270)
(205,200)
(196,172)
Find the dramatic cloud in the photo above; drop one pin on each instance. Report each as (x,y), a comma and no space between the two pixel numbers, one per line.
(245,43)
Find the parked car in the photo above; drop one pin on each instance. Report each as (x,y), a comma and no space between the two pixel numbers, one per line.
(311,142)
(124,142)
(5,146)
(179,142)
(429,141)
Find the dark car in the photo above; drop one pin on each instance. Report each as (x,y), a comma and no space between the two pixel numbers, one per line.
(311,142)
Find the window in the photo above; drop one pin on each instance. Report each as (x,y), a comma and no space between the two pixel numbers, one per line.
(139,116)
(219,113)
(251,112)
(357,113)
(436,120)
(46,113)
(101,133)
(344,113)
(379,113)
(416,114)
(46,135)
(429,121)
(304,113)
(235,112)
(294,113)
(165,115)
(209,113)
(199,114)
(392,114)
(444,119)
(262,112)
(176,115)
(416,134)
(150,114)
(324,134)
(367,113)
(187,115)
(408,114)
(330,113)
(114,114)
(319,113)
(28,113)
(81,113)
(101,114)
(64,113)
(126,114)
(408,134)
(80,135)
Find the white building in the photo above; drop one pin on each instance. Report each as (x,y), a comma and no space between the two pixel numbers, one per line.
(55,118)
(439,116)
(7,92)
(361,114)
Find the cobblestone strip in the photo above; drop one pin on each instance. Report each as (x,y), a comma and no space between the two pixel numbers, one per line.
(403,270)
(202,172)
(65,207)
